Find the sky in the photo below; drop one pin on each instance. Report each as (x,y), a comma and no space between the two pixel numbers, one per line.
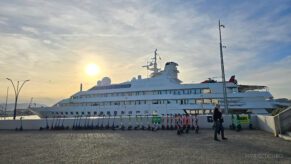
(51,42)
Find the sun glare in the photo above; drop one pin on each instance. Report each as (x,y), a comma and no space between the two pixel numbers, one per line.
(92,69)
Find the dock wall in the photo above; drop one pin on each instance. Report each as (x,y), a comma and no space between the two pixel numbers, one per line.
(204,121)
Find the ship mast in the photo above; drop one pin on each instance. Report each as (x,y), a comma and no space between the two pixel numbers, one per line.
(155,63)
(153,66)
(222,70)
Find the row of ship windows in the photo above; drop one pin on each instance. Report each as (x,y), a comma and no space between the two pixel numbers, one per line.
(159,92)
(140,102)
(95,113)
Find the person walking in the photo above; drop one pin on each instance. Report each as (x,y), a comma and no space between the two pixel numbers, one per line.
(187,123)
(178,120)
(218,120)
(196,123)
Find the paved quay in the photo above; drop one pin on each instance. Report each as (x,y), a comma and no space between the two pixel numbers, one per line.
(109,146)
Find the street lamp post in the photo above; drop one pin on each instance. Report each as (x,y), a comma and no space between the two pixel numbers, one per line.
(17,90)
(222,69)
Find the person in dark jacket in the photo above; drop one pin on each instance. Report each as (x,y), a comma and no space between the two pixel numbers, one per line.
(218,120)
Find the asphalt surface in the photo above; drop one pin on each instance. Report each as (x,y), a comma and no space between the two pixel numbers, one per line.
(109,146)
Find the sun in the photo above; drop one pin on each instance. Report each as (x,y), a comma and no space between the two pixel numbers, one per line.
(92,69)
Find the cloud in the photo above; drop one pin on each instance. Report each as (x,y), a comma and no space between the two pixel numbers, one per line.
(30,30)
(53,40)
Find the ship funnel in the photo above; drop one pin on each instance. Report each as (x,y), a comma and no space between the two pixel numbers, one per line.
(81,87)
(171,70)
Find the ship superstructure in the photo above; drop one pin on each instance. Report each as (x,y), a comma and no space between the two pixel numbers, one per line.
(161,93)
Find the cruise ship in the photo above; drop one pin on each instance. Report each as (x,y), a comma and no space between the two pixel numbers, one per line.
(161,93)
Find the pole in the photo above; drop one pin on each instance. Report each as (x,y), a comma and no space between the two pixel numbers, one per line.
(155,63)
(6,104)
(222,70)
(16,91)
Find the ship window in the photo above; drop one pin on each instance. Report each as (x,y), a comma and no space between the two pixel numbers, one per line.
(214,101)
(89,113)
(52,112)
(77,113)
(101,113)
(155,102)
(137,112)
(192,101)
(115,113)
(66,113)
(122,112)
(72,113)
(83,113)
(116,86)
(146,112)
(198,91)
(95,113)
(206,90)
(62,113)
(108,113)
(130,112)
(207,101)
(199,101)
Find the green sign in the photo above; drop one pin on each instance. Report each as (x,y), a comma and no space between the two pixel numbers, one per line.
(244,119)
(156,119)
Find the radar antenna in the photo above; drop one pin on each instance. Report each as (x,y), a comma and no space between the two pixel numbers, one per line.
(153,66)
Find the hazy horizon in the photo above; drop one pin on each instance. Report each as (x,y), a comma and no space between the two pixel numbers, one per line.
(52,42)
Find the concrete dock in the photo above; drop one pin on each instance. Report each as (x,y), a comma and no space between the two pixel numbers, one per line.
(107,146)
